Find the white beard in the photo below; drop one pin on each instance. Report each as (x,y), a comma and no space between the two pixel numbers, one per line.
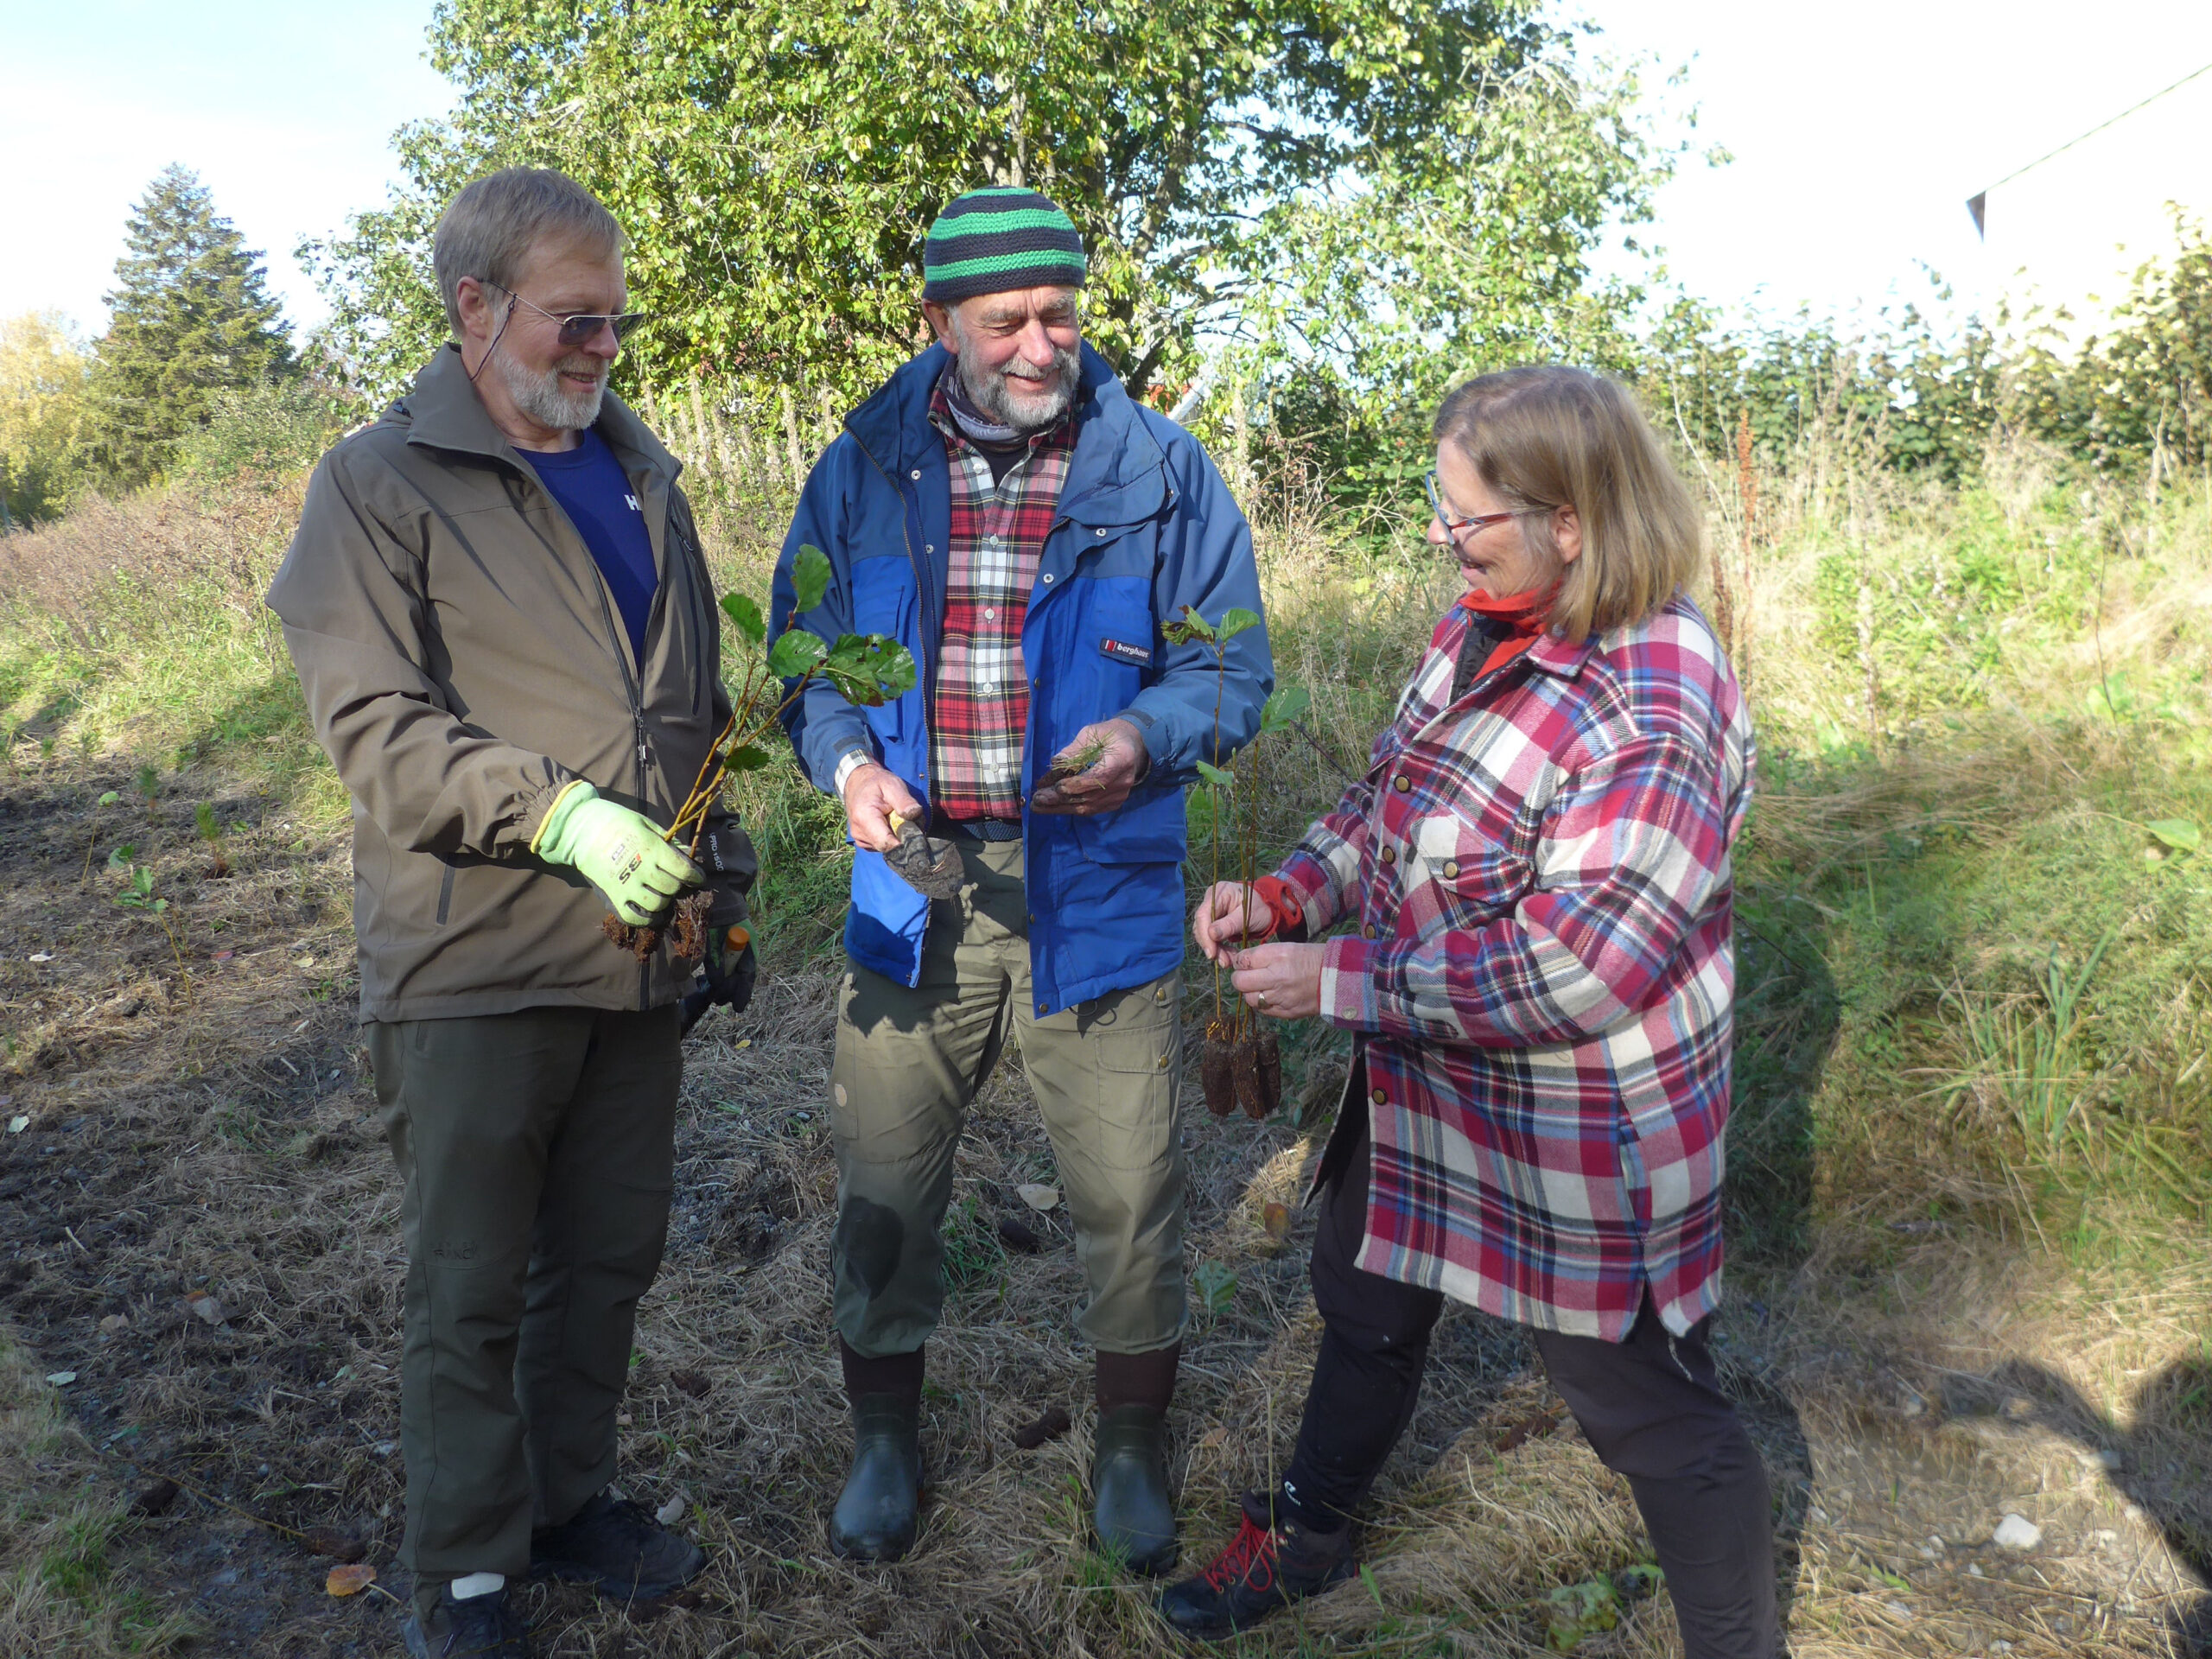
(542,398)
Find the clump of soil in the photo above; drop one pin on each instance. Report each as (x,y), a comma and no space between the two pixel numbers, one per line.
(1217,1068)
(1241,1069)
(687,934)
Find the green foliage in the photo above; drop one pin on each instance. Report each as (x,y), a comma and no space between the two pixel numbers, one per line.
(1217,777)
(794,653)
(810,577)
(1289,704)
(42,405)
(1912,396)
(190,317)
(778,164)
(746,614)
(268,428)
(1214,1283)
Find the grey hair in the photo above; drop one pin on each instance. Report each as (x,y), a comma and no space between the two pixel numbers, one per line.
(488,230)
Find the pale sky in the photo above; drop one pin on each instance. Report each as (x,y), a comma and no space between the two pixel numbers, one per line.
(1857,132)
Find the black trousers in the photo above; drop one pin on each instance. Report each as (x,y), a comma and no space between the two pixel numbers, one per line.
(1652,1407)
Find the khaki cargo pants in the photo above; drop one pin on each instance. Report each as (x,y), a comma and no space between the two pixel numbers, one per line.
(908,1063)
(538,1150)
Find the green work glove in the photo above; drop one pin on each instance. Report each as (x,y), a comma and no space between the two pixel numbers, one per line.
(620,852)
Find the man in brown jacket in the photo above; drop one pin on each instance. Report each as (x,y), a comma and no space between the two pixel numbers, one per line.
(509,645)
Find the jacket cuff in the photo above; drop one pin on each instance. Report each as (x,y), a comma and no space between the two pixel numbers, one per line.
(572,795)
(1145,724)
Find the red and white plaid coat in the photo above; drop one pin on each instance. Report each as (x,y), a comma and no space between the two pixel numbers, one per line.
(1542,971)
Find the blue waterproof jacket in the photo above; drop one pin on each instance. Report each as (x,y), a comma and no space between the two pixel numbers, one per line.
(1145,526)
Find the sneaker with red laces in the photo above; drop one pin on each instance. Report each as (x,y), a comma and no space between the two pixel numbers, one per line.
(1272,1562)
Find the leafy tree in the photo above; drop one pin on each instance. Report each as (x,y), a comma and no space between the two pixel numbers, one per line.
(192,317)
(778,163)
(41,410)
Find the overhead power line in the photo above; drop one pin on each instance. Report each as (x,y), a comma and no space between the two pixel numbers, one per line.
(1978,203)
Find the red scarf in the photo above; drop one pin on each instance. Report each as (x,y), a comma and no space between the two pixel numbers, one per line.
(1523,613)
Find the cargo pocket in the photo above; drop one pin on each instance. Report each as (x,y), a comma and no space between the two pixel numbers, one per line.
(1136,1042)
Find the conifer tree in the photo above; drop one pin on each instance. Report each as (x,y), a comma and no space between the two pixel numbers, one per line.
(192,317)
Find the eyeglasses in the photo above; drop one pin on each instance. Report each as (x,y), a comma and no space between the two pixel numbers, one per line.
(584,326)
(1480,521)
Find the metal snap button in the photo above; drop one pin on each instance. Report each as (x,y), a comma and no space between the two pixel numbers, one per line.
(1048,576)
(1401,783)
(1381,1099)
(1390,855)
(916,473)
(1451,867)
(1368,932)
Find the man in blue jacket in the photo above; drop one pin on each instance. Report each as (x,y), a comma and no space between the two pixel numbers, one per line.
(1009,514)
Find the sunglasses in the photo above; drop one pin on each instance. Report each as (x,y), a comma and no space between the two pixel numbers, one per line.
(575,330)
(1481,521)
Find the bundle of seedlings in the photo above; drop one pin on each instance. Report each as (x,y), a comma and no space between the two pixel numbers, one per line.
(1240,1061)
(868,669)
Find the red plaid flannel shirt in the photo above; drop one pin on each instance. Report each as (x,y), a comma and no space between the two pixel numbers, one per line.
(1538,873)
(981,698)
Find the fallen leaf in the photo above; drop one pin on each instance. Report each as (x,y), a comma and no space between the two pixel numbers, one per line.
(1018,1235)
(113,1323)
(670,1512)
(340,1546)
(1216,1436)
(205,1306)
(61,1379)
(223,955)
(692,1383)
(1039,1196)
(18,1124)
(1276,1219)
(743,1042)
(622,1419)
(351,1579)
(1050,1426)
(156,1498)
(43,956)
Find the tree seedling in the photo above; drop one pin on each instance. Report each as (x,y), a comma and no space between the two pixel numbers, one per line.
(1240,1060)
(149,788)
(867,669)
(203,818)
(138,894)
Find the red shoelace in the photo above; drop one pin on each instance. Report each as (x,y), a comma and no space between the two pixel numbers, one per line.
(1252,1545)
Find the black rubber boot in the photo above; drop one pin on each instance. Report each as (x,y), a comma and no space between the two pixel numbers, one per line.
(615,1545)
(1273,1562)
(881,1507)
(1132,1513)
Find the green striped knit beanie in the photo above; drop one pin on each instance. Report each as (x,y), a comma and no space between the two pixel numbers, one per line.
(989,241)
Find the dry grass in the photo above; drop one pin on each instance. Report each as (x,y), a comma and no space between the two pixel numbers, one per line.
(1932,1353)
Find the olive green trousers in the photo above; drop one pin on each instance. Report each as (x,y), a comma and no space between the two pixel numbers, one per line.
(538,1150)
(909,1062)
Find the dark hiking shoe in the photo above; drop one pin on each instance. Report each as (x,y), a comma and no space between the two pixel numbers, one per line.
(616,1547)
(1131,1512)
(481,1627)
(1263,1568)
(880,1510)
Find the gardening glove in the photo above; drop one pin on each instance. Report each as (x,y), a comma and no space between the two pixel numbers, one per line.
(620,852)
(726,978)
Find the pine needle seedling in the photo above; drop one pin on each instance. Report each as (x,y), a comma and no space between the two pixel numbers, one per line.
(203,819)
(149,788)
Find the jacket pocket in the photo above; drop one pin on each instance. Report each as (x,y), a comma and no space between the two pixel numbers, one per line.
(1149,830)
(885,602)
(1456,877)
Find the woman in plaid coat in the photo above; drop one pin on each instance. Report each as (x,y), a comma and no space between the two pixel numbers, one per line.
(1534,884)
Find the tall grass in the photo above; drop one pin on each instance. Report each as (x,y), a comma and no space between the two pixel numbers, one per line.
(1971,981)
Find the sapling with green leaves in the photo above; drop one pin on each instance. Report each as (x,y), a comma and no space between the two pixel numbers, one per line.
(1241,1058)
(867,669)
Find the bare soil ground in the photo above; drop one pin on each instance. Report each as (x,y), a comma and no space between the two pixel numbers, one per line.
(208,1132)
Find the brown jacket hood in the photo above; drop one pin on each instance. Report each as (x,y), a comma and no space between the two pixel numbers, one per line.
(462,660)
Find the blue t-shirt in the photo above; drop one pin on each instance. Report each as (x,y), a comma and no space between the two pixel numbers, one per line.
(591,485)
